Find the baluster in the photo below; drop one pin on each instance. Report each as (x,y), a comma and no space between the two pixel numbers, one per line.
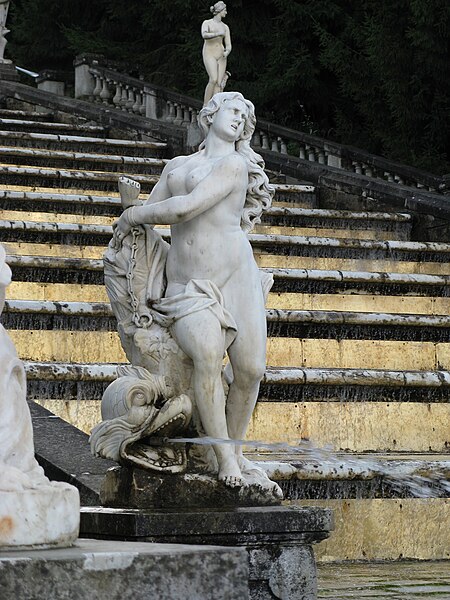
(283,146)
(124,98)
(186,116)
(256,139)
(194,117)
(398,179)
(130,100)
(97,88)
(389,176)
(265,141)
(117,95)
(274,146)
(143,107)
(367,170)
(311,153)
(302,153)
(420,186)
(179,114)
(136,108)
(171,112)
(105,94)
(357,167)
(321,157)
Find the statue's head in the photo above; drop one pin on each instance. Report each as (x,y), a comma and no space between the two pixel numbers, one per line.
(5,277)
(230,102)
(219,7)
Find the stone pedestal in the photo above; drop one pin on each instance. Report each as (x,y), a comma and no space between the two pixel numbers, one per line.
(8,72)
(98,570)
(44,517)
(278,539)
(136,488)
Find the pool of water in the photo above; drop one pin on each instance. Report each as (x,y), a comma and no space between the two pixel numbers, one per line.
(384,581)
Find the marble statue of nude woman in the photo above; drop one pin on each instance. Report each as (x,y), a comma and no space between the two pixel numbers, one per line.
(215,294)
(216,48)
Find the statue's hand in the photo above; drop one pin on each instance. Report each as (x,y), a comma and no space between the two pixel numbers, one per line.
(226,53)
(129,191)
(121,228)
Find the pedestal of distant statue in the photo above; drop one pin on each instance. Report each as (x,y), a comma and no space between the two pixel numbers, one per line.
(34,512)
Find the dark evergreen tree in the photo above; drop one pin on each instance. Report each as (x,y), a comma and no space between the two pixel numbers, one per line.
(368,73)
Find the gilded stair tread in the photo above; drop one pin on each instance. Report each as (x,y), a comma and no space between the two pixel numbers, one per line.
(292,375)
(96,309)
(80,156)
(256,239)
(53,137)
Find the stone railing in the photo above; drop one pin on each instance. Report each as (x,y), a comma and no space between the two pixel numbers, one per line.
(100,84)
(96,81)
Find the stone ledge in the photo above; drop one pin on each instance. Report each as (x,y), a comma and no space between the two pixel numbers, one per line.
(101,570)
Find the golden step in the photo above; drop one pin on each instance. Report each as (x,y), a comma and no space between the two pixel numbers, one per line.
(104,347)
(263,260)
(385,530)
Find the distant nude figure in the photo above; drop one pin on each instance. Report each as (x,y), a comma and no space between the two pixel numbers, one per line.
(216,48)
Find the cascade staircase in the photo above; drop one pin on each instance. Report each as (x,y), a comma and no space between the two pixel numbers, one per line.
(358,322)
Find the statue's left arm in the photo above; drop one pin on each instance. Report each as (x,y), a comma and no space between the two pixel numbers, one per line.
(227,41)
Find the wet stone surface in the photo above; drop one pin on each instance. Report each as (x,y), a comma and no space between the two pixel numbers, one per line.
(380,581)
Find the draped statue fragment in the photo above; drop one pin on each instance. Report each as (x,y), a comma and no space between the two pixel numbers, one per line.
(182,307)
(33,510)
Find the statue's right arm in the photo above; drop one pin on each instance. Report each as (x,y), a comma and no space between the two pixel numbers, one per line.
(206,35)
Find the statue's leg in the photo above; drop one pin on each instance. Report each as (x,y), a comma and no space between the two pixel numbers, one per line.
(247,355)
(221,68)
(211,67)
(201,337)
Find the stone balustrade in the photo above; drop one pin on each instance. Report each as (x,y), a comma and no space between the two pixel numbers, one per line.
(103,85)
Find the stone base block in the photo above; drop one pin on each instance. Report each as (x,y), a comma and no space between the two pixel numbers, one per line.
(135,488)
(278,539)
(48,516)
(8,72)
(99,570)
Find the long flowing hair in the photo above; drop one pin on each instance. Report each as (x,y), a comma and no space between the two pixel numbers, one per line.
(259,191)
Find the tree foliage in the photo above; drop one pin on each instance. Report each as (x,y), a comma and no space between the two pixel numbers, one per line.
(368,73)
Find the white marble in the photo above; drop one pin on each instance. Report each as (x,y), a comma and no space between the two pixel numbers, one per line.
(33,510)
(4,7)
(182,307)
(216,48)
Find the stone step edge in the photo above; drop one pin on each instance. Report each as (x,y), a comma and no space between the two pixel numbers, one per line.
(255,238)
(312,213)
(74,174)
(110,176)
(79,156)
(54,137)
(51,125)
(327,317)
(95,264)
(277,376)
(320,465)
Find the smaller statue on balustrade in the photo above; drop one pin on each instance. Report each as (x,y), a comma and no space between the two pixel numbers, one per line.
(216,48)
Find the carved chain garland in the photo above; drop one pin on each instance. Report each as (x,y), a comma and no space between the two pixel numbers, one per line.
(130,276)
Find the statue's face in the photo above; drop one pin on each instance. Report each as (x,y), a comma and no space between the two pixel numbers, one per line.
(223,12)
(229,121)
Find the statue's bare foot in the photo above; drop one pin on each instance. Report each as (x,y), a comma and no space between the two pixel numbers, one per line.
(230,473)
(129,191)
(255,474)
